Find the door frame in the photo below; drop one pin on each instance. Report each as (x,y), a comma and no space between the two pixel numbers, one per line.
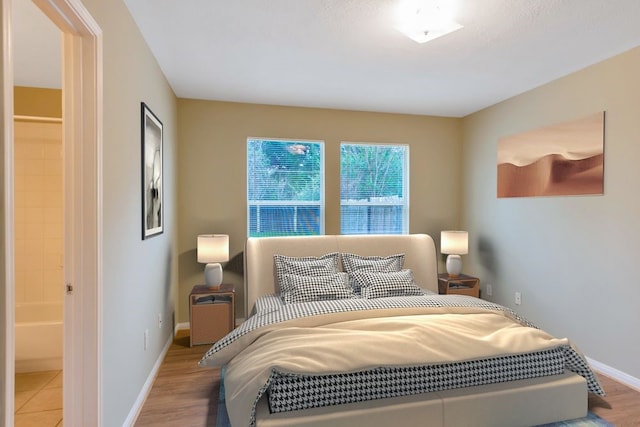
(82,140)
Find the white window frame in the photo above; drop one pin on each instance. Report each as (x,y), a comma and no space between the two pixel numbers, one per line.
(405,186)
(290,203)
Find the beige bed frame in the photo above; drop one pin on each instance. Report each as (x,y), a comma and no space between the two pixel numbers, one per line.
(519,403)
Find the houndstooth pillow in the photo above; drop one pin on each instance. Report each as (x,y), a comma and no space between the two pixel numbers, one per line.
(304,266)
(268,303)
(316,288)
(353,263)
(391,284)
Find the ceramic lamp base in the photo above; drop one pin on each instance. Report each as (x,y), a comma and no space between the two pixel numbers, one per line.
(454,265)
(213,275)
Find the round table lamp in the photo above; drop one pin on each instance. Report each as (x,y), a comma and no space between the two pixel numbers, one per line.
(454,243)
(212,250)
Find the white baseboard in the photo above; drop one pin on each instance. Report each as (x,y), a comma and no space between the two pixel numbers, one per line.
(182,326)
(146,388)
(615,374)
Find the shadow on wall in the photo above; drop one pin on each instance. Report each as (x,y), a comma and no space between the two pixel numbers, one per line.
(168,264)
(487,256)
(188,266)
(236,264)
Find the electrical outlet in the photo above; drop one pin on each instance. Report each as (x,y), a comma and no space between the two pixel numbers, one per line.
(159,320)
(146,339)
(489,289)
(518,298)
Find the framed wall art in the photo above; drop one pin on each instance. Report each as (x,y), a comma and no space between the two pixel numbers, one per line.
(558,160)
(152,217)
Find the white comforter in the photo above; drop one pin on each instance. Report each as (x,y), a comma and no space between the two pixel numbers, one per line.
(357,340)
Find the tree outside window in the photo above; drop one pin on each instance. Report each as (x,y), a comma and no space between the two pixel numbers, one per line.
(374,188)
(285,187)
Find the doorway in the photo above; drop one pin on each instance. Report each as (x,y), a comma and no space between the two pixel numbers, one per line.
(82,129)
(38,217)
(39,282)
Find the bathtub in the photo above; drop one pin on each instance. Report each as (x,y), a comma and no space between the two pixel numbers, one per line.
(38,336)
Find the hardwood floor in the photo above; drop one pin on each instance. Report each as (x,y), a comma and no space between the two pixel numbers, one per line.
(184,394)
(620,407)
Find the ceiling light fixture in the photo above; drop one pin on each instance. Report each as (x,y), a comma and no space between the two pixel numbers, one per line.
(425,20)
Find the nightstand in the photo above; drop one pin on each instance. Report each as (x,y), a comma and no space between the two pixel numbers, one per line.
(459,285)
(211,313)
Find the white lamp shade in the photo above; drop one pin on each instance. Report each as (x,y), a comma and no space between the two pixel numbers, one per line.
(213,248)
(454,242)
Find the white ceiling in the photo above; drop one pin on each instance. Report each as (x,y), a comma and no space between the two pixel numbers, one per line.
(347,54)
(37,47)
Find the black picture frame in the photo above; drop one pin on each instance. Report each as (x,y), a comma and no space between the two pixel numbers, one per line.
(152,174)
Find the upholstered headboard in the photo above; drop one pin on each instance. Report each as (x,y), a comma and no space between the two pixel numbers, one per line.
(259,271)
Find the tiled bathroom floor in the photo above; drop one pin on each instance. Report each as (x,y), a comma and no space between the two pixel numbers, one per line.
(38,399)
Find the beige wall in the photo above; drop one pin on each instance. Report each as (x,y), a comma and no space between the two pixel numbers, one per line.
(35,101)
(212,170)
(572,258)
(38,213)
(38,196)
(139,277)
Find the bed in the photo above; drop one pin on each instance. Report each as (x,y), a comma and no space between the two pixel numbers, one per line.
(350,330)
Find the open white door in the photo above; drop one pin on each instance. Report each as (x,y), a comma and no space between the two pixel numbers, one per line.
(82,136)
(6,216)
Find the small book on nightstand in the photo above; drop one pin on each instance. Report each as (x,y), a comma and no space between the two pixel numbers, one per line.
(459,285)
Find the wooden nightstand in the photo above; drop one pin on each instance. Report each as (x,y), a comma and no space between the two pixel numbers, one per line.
(460,285)
(211,313)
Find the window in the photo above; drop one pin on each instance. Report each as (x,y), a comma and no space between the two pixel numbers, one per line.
(285,187)
(374,189)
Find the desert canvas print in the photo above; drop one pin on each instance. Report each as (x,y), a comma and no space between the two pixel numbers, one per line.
(562,159)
